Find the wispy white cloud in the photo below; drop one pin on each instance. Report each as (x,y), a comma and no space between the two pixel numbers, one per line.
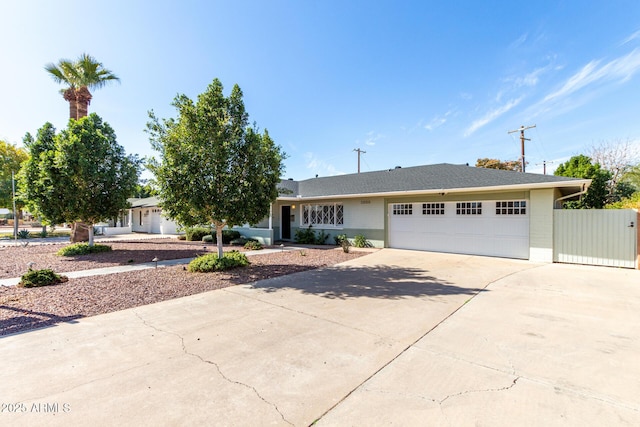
(438,121)
(371,138)
(519,41)
(620,69)
(632,37)
(319,166)
(491,116)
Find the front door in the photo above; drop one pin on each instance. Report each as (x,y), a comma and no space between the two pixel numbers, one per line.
(285,223)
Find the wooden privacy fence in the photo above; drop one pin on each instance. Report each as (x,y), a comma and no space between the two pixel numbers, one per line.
(596,236)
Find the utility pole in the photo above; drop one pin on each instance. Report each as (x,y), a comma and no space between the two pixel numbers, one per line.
(359,151)
(522,140)
(544,166)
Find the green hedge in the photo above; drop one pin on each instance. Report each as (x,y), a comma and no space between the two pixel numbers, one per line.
(210,262)
(82,249)
(199,233)
(37,278)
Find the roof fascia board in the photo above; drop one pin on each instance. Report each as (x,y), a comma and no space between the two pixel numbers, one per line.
(535,186)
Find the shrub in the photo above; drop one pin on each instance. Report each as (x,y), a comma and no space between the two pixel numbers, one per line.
(210,262)
(305,236)
(82,249)
(253,245)
(37,278)
(321,237)
(24,234)
(208,238)
(197,233)
(345,245)
(182,237)
(43,233)
(359,241)
(340,238)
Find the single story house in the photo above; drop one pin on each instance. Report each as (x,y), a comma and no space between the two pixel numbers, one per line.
(442,207)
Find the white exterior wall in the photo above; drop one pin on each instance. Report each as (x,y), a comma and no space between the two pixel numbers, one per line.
(364,214)
(541,225)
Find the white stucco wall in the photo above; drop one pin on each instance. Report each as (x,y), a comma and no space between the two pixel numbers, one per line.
(541,225)
(364,214)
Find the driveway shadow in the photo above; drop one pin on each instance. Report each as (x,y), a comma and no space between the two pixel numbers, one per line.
(381,281)
(27,320)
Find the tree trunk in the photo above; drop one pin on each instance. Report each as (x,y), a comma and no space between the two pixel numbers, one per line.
(219,240)
(83,99)
(79,232)
(90,234)
(70,96)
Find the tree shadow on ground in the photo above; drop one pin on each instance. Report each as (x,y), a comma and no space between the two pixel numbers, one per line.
(28,320)
(381,281)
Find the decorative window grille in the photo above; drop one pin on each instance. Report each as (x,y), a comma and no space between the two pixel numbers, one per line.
(433,209)
(511,207)
(402,209)
(331,215)
(469,208)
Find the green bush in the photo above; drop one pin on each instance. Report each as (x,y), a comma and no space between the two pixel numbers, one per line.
(253,245)
(208,238)
(340,238)
(359,241)
(306,236)
(309,237)
(24,234)
(82,249)
(210,262)
(37,278)
(182,237)
(198,233)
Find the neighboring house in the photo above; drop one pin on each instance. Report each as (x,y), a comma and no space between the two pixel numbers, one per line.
(443,208)
(146,217)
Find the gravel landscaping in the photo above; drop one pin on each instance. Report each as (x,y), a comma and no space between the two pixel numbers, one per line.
(23,309)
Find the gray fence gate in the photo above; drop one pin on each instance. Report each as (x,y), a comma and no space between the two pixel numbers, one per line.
(596,236)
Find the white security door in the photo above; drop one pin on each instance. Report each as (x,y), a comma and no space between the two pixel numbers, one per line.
(493,228)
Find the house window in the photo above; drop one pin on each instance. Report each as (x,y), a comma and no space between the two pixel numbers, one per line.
(332,215)
(469,208)
(511,207)
(433,209)
(402,209)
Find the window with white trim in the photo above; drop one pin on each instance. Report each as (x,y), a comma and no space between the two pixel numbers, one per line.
(433,209)
(402,209)
(511,207)
(469,208)
(325,215)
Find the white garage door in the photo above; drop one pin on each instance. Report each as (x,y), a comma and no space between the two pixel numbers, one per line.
(493,228)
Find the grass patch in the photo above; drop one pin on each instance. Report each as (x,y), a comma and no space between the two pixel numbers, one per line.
(210,262)
(82,249)
(37,278)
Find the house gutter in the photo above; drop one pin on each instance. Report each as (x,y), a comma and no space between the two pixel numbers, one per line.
(579,193)
(584,183)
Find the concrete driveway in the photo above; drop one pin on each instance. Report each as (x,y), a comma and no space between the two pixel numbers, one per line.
(393,338)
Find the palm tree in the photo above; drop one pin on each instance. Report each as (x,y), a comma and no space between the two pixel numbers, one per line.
(79,76)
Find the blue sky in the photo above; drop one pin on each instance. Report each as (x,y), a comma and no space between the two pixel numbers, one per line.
(409,82)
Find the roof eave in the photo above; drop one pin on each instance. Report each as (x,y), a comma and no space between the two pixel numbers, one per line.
(581,184)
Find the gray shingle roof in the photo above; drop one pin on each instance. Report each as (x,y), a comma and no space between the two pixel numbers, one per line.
(430,177)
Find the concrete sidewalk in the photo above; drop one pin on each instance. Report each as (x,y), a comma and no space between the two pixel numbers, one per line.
(396,337)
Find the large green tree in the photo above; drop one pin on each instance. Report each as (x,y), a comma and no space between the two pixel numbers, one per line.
(214,168)
(580,166)
(80,174)
(78,77)
(11,157)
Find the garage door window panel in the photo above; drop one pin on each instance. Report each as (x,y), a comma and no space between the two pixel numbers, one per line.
(511,207)
(469,208)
